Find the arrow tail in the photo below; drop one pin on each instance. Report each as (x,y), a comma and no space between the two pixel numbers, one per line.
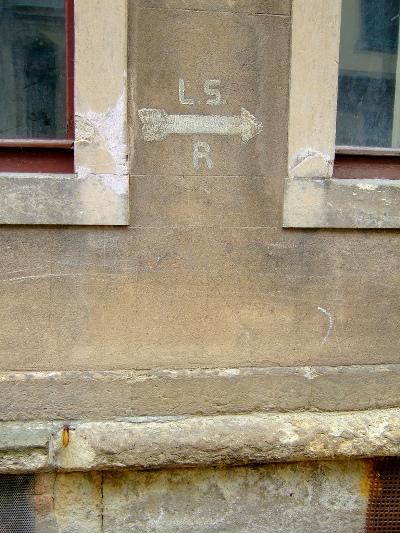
(155,124)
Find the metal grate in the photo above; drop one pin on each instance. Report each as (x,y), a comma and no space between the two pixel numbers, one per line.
(383,514)
(16,504)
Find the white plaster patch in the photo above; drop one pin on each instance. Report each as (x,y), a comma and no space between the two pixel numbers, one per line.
(110,126)
(367,186)
(310,372)
(82,172)
(230,372)
(310,163)
(114,183)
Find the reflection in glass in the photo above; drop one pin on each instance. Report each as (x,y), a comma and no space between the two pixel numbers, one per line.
(32,69)
(369,94)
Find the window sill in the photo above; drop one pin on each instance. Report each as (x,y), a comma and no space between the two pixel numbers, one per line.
(63,199)
(313,199)
(97,193)
(341,203)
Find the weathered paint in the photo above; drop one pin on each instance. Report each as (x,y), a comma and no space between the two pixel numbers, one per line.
(157,125)
(201,152)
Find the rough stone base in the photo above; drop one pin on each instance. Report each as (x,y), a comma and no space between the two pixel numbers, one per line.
(276,498)
(168,442)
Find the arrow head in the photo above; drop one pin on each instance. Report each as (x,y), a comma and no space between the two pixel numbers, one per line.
(155,124)
(249,127)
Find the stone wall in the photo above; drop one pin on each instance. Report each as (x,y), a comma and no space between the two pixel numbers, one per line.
(204,291)
(202,308)
(313,497)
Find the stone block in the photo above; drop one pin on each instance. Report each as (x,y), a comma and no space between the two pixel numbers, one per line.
(376,387)
(229,440)
(341,203)
(293,498)
(107,395)
(204,201)
(78,503)
(198,296)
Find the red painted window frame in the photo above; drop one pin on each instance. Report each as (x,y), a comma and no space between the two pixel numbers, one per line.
(364,163)
(37,155)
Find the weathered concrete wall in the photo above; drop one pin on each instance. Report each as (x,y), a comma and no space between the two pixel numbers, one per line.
(204,277)
(292,498)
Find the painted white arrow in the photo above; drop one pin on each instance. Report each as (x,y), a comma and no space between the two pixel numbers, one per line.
(157,124)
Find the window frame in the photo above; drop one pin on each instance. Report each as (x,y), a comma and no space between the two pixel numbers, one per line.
(48,155)
(96,192)
(315,197)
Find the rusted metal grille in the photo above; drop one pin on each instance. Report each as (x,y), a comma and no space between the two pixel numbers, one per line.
(383,514)
(16,504)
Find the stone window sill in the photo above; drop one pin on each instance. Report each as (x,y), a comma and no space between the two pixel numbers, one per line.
(341,203)
(91,199)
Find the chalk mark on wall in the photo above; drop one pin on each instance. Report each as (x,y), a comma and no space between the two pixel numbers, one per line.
(330,322)
(157,125)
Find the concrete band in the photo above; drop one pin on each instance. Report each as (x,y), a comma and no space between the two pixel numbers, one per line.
(106,395)
(163,442)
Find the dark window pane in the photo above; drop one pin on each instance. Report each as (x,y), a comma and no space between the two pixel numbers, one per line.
(379,25)
(369,95)
(32,69)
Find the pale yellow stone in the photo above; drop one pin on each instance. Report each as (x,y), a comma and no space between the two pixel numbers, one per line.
(313,85)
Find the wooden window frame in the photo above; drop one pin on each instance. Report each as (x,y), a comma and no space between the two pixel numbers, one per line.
(326,186)
(366,163)
(95,189)
(48,155)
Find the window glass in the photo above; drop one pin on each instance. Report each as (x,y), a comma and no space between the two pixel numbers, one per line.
(369,74)
(32,69)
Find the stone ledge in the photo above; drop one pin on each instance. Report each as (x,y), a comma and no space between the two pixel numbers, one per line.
(24,447)
(151,443)
(96,395)
(341,203)
(92,199)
